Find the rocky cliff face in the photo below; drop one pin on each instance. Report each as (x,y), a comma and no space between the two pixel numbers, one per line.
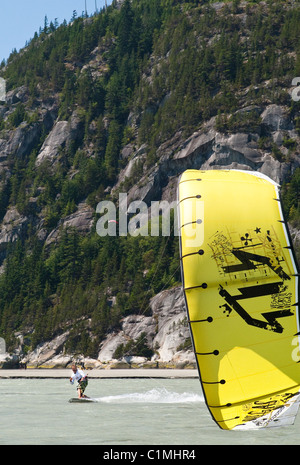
(209,148)
(166,329)
(166,333)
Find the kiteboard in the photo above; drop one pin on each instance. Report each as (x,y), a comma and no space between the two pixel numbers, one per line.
(77,400)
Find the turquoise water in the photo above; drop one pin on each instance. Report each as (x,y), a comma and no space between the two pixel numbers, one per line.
(126,412)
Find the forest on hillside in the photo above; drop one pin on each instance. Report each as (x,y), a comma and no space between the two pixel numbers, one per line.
(173,63)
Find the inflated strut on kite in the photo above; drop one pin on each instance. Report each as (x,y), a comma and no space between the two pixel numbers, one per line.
(240,281)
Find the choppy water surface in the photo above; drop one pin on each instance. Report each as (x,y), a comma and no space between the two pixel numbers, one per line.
(126,412)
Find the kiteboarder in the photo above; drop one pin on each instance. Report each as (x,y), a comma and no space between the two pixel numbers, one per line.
(82,381)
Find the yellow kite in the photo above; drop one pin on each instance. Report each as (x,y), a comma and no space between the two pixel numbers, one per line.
(240,281)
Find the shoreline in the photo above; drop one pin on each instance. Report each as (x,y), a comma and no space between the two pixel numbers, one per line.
(134,373)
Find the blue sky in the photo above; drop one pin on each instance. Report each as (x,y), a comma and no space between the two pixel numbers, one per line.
(20,19)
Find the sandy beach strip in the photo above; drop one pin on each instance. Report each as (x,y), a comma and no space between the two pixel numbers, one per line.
(112,373)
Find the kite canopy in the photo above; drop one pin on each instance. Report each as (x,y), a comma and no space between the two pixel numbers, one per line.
(240,281)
